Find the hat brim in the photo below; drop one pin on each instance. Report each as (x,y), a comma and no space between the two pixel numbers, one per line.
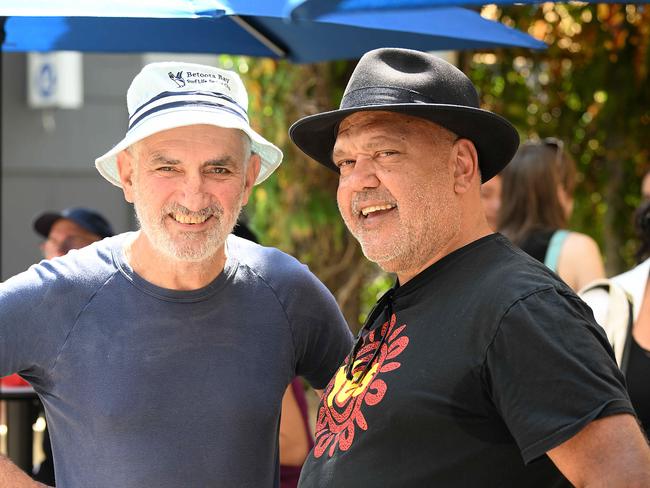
(496,140)
(44,222)
(270,155)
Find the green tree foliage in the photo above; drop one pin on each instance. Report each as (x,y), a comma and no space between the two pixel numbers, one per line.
(590,88)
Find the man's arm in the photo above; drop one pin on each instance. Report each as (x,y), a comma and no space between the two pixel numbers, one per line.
(609,452)
(12,475)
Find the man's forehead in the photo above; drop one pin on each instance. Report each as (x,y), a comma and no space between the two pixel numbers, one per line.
(214,138)
(394,121)
(190,131)
(390,125)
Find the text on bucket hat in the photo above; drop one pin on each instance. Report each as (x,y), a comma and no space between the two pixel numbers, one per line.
(86,218)
(418,84)
(167,95)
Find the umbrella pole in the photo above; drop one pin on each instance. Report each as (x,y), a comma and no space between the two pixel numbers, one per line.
(277,50)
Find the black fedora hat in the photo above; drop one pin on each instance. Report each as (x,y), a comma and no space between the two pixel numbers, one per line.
(418,84)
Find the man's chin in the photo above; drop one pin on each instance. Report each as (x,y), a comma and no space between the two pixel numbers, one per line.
(384,258)
(191,255)
(192,249)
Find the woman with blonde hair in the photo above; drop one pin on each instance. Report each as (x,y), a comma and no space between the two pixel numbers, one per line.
(537,202)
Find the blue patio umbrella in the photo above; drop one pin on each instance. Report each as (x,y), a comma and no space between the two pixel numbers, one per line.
(246,27)
(312,9)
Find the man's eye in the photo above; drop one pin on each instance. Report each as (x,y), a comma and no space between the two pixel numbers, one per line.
(383,154)
(217,171)
(344,162)
(166,169)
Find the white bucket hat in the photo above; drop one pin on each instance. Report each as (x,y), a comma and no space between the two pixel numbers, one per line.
(168,95)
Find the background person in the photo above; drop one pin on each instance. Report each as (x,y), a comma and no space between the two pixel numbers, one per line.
(491,198)
(536,204)
(71,228)
(629,333)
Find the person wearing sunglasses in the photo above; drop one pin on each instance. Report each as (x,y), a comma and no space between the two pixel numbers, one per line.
(536,204)
(479,367)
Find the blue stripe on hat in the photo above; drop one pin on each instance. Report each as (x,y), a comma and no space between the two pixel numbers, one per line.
(188,103)
(189,93)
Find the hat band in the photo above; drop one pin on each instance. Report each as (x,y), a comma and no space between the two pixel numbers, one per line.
(179,95)
(382,95)
(193,104)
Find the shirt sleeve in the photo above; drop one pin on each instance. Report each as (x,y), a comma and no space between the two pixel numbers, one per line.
(321,335)
(37,311)
(551,371)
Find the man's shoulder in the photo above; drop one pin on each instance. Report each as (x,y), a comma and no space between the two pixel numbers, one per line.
(65,281)
(267,262)
(503,269)
(98,255)
(289,280)
(92,264)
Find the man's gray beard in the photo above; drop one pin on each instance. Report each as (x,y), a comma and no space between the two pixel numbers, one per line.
(416,243)
(195,246)
(413,250)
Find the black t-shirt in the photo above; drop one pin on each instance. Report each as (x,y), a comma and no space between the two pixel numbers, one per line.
(638,367)
(488,361)
(536,243)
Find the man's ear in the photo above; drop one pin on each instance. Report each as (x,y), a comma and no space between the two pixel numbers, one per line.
(252,171)
(125,168)
(465,164)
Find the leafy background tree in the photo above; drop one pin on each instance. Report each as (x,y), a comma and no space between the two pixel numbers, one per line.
(589,88)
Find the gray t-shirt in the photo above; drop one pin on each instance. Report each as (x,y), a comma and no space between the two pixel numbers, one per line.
(150,387)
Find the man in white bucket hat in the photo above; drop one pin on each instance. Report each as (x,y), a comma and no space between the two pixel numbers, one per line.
(181,338)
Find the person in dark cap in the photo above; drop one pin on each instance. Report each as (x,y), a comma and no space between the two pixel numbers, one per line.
(479,367)
(72,228)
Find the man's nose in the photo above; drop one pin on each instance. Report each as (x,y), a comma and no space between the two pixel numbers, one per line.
(194,191)
(364,173)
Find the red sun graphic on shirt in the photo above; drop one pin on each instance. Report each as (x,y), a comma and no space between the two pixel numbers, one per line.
(340,412)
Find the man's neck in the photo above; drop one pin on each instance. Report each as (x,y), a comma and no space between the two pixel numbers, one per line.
(467,235)
(166,272)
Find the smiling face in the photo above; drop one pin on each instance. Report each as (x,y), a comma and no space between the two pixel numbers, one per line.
(396,189)
(188,186)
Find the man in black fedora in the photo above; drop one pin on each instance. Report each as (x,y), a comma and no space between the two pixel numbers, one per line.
(479,367)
